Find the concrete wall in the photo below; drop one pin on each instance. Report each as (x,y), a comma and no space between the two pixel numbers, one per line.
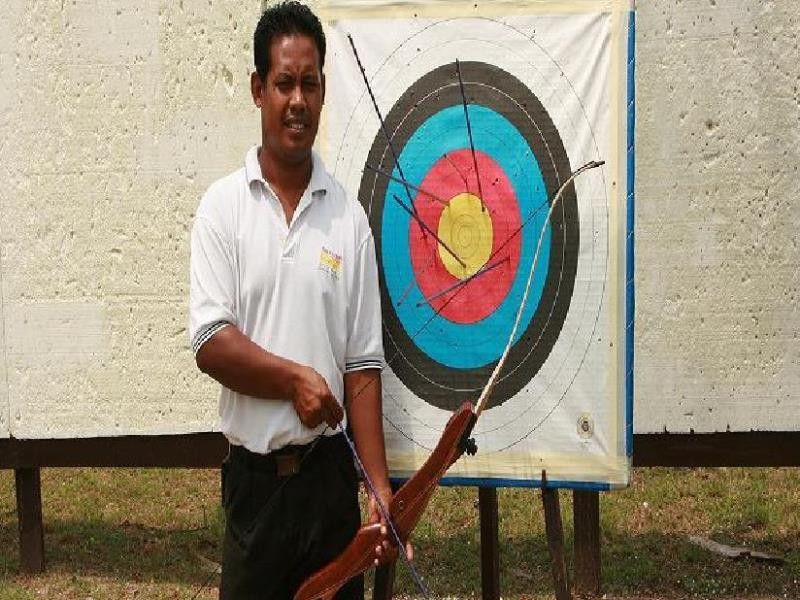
(717,215)
(115,117)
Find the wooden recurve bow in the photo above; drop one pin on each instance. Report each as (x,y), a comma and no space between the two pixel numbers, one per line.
(409,502)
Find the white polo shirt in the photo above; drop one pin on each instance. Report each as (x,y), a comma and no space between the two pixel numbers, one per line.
(307,291)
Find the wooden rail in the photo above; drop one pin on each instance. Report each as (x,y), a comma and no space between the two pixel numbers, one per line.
(206,450)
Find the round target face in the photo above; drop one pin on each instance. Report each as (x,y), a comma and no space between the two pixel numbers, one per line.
(456,246)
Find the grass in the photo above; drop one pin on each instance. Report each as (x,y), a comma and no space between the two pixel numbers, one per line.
(152,533)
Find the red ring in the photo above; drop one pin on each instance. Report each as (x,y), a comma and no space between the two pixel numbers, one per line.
(451,175)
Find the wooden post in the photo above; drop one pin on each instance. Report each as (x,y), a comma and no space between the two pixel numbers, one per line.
(384,581)
(490,547)
(383,584)
(586,516)
(555,540)
(29,515)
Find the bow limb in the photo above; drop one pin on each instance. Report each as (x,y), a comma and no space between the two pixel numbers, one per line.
(489,387)
(405,510)
(412,498)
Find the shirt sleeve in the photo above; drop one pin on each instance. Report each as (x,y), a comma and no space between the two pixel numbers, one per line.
(365,337)
(212,288)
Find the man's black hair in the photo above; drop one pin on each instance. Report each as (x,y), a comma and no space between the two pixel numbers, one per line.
(286,18)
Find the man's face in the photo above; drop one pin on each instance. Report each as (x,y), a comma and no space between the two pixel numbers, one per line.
(290,98)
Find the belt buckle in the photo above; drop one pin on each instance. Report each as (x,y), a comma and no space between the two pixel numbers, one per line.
(287,464)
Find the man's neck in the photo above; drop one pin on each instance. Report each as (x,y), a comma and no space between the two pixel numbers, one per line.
(288,179)
(284,174)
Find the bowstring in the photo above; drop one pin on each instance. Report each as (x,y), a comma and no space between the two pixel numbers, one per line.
(386,516)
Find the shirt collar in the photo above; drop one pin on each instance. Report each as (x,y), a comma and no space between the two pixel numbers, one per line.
(318,182)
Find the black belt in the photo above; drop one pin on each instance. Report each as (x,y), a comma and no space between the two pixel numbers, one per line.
(285,461)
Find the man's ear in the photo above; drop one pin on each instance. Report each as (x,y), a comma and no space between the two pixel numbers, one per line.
(256,88)
(323,88)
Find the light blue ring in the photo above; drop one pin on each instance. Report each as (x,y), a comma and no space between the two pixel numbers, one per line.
(473,345)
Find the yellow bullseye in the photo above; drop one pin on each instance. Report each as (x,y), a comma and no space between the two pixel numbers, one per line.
(467,229)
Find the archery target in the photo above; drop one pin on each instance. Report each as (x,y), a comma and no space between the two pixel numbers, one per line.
(452,340)
(448,312)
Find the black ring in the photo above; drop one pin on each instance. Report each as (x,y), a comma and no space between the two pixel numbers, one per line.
(488,85)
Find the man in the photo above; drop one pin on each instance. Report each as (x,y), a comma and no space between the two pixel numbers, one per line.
(285,314)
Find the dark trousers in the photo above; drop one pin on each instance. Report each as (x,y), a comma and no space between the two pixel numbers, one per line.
(281,529)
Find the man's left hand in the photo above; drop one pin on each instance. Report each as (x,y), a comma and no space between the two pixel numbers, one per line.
(386,551)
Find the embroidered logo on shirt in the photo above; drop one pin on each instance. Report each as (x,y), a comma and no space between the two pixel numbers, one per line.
(330,262)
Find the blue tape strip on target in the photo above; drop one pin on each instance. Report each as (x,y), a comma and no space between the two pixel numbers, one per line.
(473,345)
(630,297)
(591,486)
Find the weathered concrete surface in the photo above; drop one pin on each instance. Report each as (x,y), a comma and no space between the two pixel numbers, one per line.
(7,70)
(116,118)
(718,207)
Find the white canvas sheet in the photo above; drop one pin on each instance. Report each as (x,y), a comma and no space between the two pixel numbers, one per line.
(571,414)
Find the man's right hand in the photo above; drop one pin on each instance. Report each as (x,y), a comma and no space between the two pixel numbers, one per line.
(313,400)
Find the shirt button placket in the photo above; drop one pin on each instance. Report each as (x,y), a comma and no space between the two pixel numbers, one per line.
(288,241)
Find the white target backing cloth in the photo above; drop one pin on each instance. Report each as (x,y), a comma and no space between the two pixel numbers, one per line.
(481,112)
